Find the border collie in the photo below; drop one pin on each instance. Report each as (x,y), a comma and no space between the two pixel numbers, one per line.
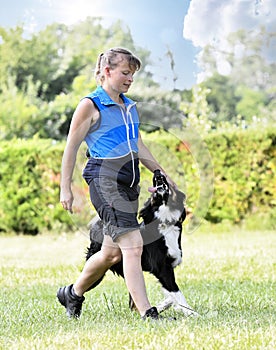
(161,228)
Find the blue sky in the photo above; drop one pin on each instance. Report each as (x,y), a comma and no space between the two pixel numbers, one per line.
(182,25)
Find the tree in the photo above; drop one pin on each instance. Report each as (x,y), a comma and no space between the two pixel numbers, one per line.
(11,51)
(199,115)
(19,112)
(222,97)
(54,56)
(247,88)
(38,74)
(246,56)
(251,102)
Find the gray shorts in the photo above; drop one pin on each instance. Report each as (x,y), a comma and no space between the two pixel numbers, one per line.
(116,205)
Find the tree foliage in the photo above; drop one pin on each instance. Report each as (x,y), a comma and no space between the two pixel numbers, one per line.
(43,77)
(221,97)
(39,75)
(247,87)
(246,57)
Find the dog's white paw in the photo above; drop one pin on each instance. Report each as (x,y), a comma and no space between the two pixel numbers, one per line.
(179,302)
(186,310)
(165,304)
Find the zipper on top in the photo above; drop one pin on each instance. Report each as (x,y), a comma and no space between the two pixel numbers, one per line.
(125,115)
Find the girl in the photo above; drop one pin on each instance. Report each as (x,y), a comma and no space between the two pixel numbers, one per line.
(108,121)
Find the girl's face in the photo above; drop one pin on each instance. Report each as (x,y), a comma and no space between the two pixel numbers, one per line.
(119,79)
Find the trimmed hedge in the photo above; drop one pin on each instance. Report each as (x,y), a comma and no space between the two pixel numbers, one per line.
(245,182)
(29,186)
(228,176)
(233,173)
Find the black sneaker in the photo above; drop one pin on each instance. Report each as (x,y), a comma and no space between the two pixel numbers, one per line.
(70,301)
(151,313)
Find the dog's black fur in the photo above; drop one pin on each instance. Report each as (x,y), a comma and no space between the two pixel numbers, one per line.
(161,228)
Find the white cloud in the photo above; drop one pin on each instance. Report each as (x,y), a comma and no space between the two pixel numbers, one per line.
(211,21)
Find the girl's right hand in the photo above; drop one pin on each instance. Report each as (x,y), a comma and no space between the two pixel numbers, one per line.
(66,199)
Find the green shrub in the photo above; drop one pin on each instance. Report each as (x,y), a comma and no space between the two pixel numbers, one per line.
(239,167)
(244,165)
(29,186)
(228,177)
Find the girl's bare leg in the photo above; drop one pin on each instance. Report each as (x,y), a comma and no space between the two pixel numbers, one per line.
(96,266)
(131,245)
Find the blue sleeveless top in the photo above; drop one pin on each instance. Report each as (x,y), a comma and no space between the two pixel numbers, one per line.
(116,132)
(113,140)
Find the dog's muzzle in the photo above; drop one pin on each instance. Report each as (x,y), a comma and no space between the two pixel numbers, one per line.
(160,185)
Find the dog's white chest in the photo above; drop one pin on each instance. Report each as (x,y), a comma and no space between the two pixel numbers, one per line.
(167,228)
(165,214)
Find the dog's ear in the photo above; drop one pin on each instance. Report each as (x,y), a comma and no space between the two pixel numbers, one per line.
(145,209)
(147,212)
(182,198)
(181,195)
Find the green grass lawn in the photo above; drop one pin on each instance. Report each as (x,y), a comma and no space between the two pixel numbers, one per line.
(229,278)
